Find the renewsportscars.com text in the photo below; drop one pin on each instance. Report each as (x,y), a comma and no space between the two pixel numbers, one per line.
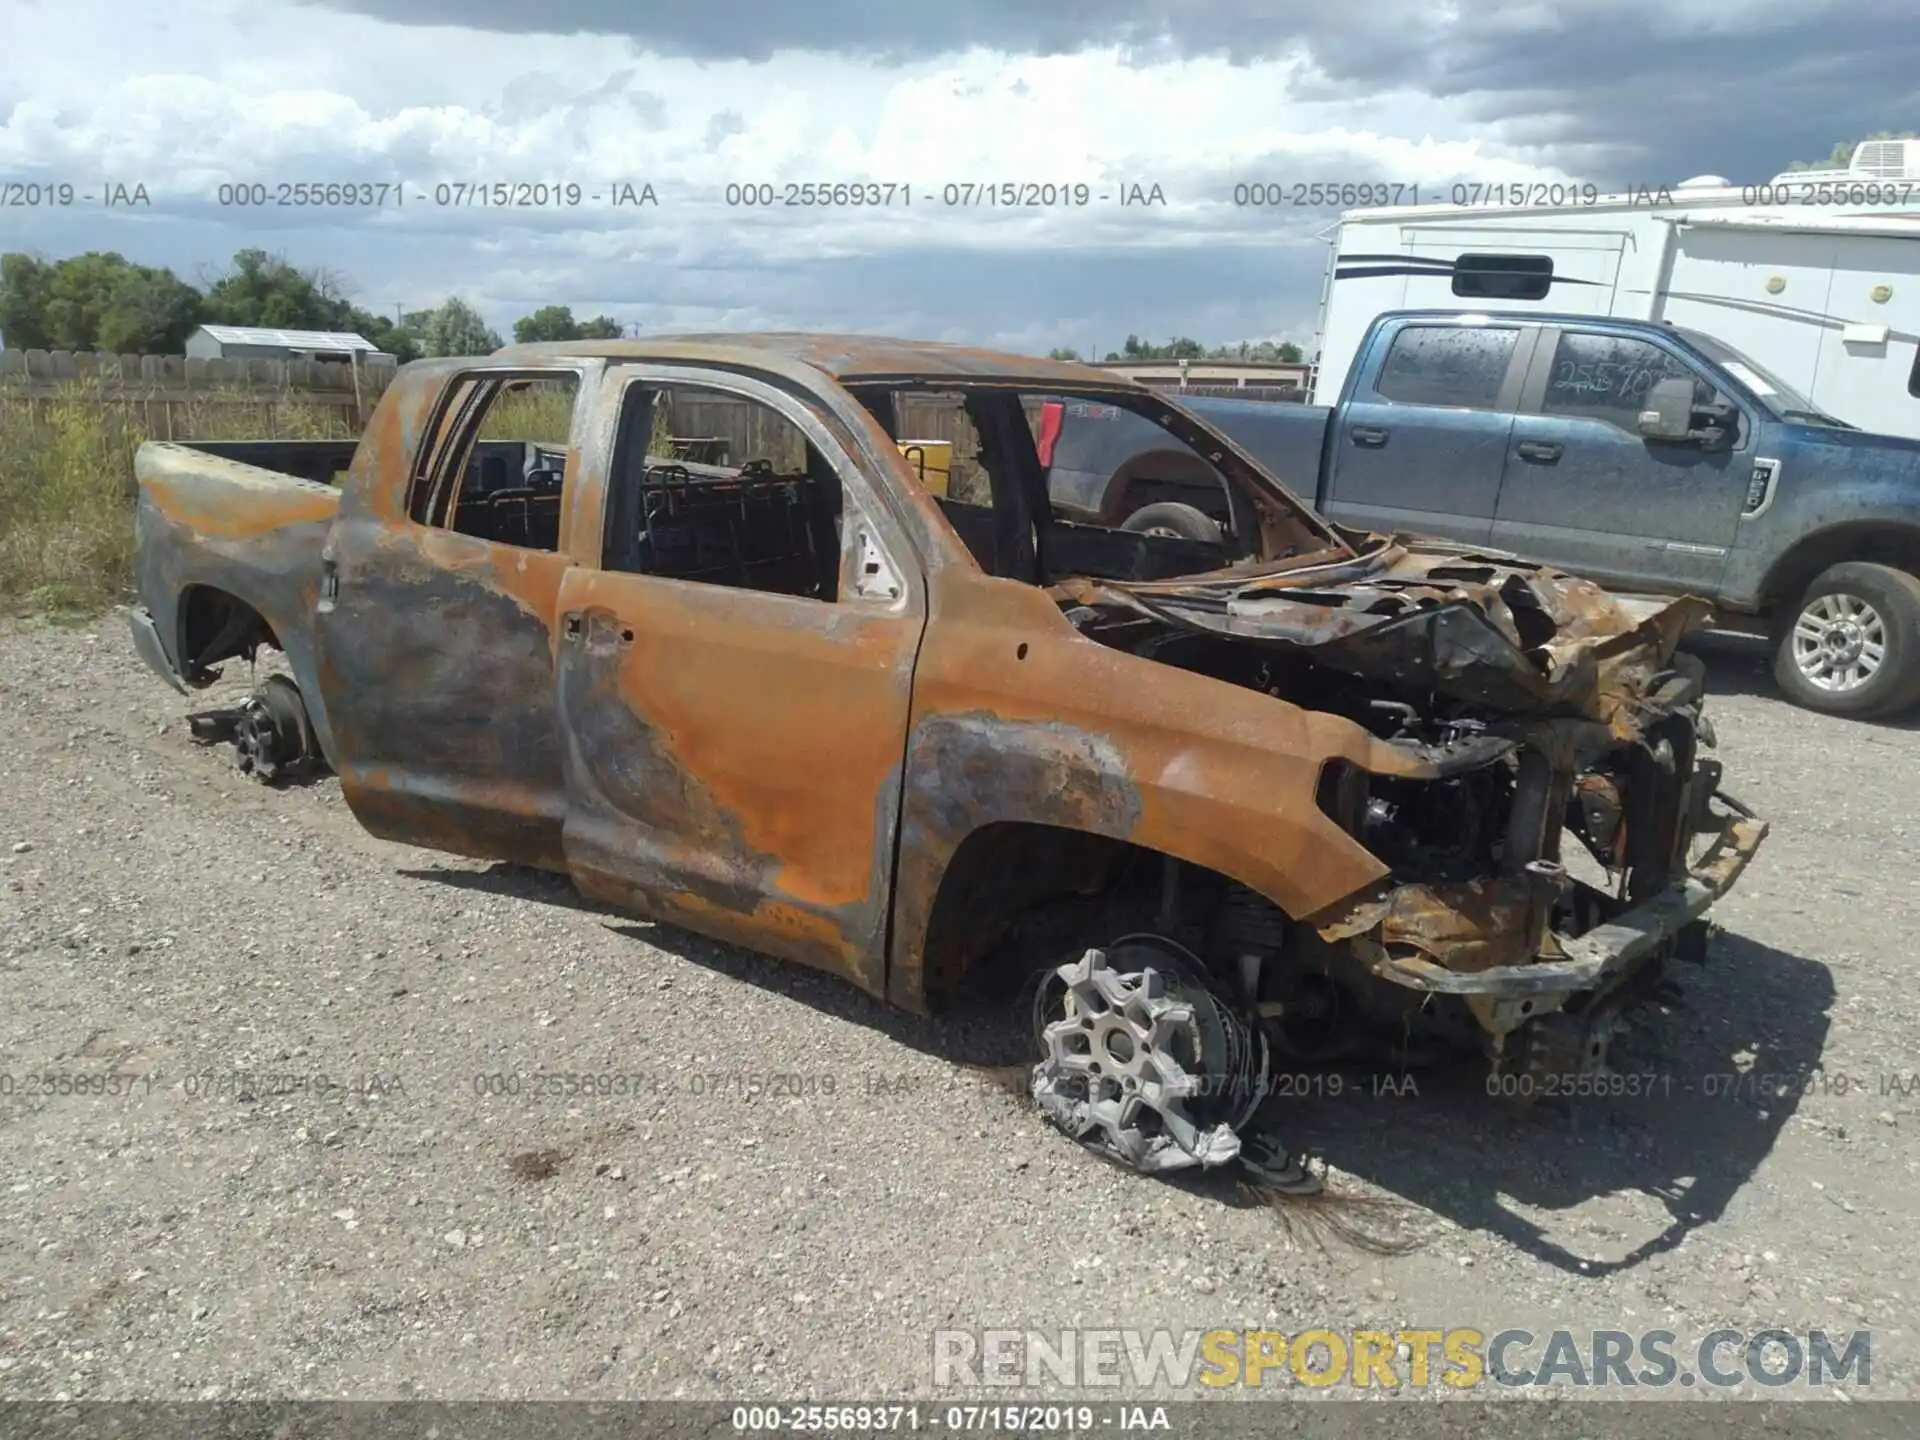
(1461,1358)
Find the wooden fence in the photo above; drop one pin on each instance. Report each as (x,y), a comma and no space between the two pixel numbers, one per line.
(161,387)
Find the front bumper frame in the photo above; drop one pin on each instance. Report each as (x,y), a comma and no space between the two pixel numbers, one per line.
(1604,955)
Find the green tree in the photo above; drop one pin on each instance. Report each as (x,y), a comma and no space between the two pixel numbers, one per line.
(149,312)
(457,329)
(1178,348)
(1264,352)
(264,289)
(549,322)
(401,341)
(1063,352)
(24,280)
(405,340)
(1841,155)
(77,297)
(101,301)
(556,322)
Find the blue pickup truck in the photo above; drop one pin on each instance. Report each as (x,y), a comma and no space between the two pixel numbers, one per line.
(1648,457)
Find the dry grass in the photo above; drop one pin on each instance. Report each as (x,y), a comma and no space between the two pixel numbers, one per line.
(541,413)
(67,486)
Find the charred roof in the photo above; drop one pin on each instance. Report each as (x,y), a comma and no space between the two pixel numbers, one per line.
(846,358)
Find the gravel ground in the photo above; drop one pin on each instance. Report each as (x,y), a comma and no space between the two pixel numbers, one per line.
(400,1234)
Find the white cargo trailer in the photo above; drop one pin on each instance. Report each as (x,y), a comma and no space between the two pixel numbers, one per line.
(1814,274)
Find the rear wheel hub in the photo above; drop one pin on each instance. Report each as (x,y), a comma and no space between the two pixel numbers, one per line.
(272,733)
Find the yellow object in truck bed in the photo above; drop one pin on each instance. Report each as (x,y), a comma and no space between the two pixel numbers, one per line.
(932,461)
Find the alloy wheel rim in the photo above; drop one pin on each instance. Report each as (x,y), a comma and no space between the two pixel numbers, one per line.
(1839,643)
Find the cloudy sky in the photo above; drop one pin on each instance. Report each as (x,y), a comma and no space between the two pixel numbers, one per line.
(691,96)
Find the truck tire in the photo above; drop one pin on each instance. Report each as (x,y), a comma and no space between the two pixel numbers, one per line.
(1850,644)
(1170,517)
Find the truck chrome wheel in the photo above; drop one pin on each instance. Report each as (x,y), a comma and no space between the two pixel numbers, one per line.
(1839,642)
(1145,1065)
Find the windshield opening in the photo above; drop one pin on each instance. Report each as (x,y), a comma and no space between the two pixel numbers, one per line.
(1003,463)
(1007,463)
(1769,389)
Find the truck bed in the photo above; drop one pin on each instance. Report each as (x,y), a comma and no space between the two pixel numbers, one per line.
(213,528)
(1288,439)
(1104,452)
(322,461)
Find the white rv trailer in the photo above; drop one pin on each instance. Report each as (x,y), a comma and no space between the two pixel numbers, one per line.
(1815,274)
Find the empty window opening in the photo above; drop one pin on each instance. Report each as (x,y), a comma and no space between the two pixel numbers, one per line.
(760,512)
(495,468)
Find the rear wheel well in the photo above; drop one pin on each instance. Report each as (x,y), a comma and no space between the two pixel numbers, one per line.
(216,625)
(1016,895)
(1873,541)
(1165,475)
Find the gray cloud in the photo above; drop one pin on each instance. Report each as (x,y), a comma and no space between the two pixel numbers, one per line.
(721,125)
(755,29)
(1625,92)
(1645,106)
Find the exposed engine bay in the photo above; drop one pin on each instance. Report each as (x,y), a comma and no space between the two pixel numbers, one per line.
(1552,843)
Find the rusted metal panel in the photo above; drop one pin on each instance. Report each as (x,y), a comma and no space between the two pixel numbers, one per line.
(1018,718)
(436,656)
(733,756)
(1482,628)
(734,761)
(435,665)
(207,523)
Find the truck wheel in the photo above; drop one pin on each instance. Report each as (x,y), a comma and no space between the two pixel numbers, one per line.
(273,733)
(1170,517)
(1850,645)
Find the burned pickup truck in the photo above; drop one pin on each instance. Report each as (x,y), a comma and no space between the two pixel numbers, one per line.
(1286,793)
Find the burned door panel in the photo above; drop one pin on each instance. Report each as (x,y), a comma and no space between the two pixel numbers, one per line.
(436,645)
(734,668)
(733,761)
(436,667)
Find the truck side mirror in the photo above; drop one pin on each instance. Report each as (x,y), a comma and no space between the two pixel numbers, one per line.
(1668,413)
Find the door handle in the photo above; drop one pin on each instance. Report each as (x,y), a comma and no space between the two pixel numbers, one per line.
(573,625)
(1543,451)
(1371,436)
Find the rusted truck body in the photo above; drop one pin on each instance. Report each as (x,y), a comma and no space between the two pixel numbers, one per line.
(806,706)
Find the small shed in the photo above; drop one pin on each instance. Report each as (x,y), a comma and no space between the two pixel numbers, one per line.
(250,342)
